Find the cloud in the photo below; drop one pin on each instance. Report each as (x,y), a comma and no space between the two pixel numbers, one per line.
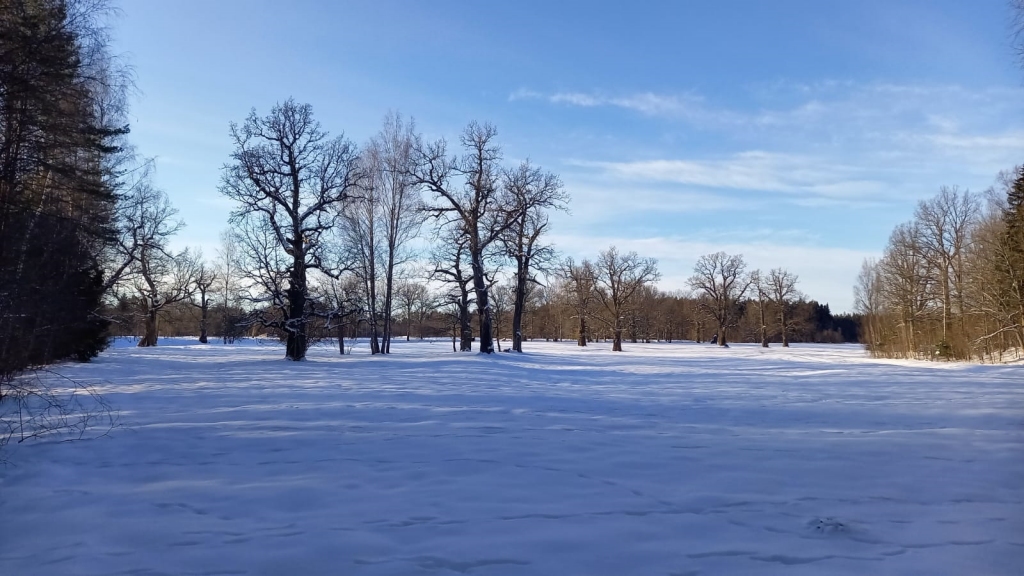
(835,109)
(679,106)
(752,171)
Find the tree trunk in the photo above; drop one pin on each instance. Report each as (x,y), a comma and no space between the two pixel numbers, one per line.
(483,305)
(465,328)
(517,312)
(721,335)
(374,339)
(296,346)
(150,337)
(617,330)
(764,327)
(785,327)
(341,340)
(203,318)
(582,341)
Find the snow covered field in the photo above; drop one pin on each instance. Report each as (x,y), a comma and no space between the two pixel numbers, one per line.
(676,459)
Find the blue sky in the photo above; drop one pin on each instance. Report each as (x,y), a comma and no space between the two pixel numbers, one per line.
(797,133)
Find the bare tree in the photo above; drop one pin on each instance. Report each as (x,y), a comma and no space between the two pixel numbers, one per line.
(502,298)
(228,276)
(531,193)
(760,284)
(945,222)
(906,281)
(580,283)
(363,241)
(162,279)
(618,278)
(159,277)
(289,179)
(202,293)
(449,260)
(720,278)
(469,197)
(781,288)
(343,297)
(401,205)
(412,296)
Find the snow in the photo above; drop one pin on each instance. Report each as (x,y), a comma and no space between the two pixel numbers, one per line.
(671,459)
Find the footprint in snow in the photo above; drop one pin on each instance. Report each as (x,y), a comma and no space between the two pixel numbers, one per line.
(827,525)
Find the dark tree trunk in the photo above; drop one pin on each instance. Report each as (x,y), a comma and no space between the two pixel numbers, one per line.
(483,305)
(721,335)
(374,341)
(582,340)
(341,340)
(388,295)
(764,327)
(465,327)
(617,341)
(785,328)
(203,321)
(296,346)
(517,311)
(150,336)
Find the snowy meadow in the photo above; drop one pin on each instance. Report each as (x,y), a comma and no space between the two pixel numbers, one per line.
(670,459)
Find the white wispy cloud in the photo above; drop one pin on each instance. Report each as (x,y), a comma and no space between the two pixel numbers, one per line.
(679,106)
(754,171)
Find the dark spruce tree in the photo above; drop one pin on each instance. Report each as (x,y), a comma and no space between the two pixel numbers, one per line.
(60,110)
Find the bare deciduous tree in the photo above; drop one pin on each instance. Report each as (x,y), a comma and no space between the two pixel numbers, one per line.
(531,193)
(414,298)
(449,259)
(618,278)
(945,223)
(503,298)
(159,277)
(760,284)
(228,275)
(202,293)
(720,278)
(469,197)
(289,179)
(580,282)
(781,288)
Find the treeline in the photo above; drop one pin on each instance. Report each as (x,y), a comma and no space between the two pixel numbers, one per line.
(568,305)
(549,316)
(66,172)
(950,284)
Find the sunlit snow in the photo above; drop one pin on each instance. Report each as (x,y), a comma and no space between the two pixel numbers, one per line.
(670,459)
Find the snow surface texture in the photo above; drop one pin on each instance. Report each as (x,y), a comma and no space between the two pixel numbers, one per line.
(670,459)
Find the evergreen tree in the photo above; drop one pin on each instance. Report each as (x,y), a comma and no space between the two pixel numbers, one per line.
(60,104)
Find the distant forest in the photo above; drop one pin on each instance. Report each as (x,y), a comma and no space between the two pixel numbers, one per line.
(663,318)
